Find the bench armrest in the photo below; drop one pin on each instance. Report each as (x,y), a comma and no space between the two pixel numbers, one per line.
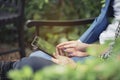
(38,23)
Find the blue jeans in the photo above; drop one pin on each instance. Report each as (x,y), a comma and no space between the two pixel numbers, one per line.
(47,57)
(38,60)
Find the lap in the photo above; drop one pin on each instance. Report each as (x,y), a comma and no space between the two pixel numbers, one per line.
(38,60)
(35,63)
(47,57)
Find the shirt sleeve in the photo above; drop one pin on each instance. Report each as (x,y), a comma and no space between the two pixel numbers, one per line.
(109,33)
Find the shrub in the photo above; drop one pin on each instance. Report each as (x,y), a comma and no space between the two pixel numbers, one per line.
(94,69)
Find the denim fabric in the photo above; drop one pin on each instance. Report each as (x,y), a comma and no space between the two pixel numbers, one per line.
(99,24)
(40,54)
(36,63)
(82,59)
(47,57)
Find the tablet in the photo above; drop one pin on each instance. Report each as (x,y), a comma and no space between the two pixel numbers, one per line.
(43,45)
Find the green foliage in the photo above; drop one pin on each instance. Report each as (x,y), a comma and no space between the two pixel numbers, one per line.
(5,30)
(98,49)
(93,69)
(55,10)
(103,3)
(61,9)
(24,74)
(59,34)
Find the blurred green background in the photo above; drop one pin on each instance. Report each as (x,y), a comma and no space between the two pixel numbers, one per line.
(54,10)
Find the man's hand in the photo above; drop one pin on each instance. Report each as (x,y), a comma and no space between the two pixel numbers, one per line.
(73,48)
(63,60)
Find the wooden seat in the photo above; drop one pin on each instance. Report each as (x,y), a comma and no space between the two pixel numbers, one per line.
(12,12)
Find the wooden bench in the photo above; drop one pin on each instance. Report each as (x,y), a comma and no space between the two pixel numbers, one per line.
(38,23)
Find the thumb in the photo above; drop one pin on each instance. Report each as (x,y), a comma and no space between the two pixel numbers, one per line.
(55,60)
(56,55)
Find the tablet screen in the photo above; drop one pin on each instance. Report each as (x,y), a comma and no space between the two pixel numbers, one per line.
(43,45)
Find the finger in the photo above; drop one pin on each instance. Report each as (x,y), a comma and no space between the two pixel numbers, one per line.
(65,43)
(79,54)
(69,50)
(57,53)
(55,60)
(61,52)
(71,55)
(69,46)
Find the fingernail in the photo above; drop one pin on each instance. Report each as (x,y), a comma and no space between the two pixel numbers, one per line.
(70,52)
(64,48)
